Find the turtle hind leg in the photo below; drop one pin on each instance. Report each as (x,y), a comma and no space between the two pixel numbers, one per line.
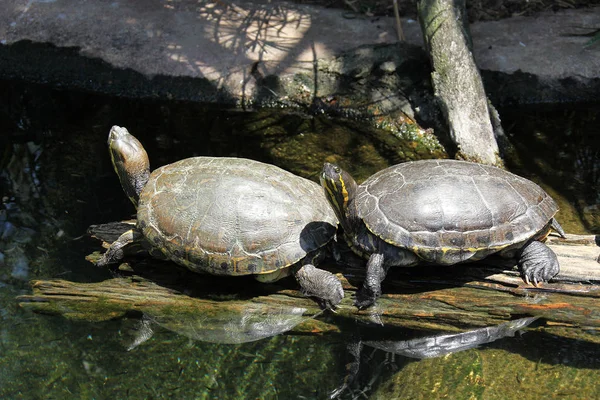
(537,263)
(323,285)
(115,251)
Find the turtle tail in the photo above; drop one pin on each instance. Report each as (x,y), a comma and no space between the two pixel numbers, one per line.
(557,228)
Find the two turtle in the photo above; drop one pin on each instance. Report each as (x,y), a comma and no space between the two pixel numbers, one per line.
(232,216)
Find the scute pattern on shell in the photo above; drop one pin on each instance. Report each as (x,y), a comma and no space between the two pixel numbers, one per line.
(233,216)
(449,211)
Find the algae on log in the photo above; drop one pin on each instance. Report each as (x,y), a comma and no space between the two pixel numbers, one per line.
(456,80)
(432,299)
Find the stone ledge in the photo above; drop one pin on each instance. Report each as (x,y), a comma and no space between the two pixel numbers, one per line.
(284,54)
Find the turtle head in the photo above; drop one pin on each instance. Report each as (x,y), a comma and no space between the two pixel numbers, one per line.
(340,189)
(130,161)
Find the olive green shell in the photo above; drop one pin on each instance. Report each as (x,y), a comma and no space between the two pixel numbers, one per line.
(233,216)
(449,211)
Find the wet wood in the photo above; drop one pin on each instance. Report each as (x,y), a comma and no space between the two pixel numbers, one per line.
(428,298)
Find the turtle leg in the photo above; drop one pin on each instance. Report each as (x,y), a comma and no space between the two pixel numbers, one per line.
(354,348)
(371,288)
(323,285)
(115,251)
(537,263)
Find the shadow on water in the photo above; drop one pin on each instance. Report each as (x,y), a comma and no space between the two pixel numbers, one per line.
(57,180)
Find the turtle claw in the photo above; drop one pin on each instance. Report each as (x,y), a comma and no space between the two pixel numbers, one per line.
(326,304)
(116,251)
(362,305)
(364,300)
(538,263)
(102,261)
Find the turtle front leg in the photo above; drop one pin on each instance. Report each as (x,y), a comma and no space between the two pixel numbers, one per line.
(116,250)
(371,288)
(323,285)
(537,263)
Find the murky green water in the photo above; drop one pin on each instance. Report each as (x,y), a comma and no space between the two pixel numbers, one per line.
(57,180)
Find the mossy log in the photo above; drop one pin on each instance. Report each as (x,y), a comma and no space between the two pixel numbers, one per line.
(432,299)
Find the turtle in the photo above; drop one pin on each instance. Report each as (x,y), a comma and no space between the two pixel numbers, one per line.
(227,216)
(442,212)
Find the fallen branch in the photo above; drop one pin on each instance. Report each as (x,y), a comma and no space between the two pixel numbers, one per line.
(426,299)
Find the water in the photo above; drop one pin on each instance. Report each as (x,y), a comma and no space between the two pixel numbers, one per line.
(57,180)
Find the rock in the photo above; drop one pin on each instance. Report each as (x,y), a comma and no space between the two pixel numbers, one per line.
(217,46)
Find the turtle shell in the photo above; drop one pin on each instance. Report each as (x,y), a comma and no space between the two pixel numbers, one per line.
(449,211)
(233,216)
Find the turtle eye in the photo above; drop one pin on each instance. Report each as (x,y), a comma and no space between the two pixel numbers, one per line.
(337,169)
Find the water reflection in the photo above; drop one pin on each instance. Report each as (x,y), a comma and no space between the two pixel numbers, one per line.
(250,322)
(56,141)
(419,348)
(440,345)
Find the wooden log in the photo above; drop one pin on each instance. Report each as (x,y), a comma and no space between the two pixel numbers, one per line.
(432,299)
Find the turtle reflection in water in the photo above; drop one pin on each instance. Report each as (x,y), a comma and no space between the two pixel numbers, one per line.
(442,212)
(243,323)
(422,347)
(227,216)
